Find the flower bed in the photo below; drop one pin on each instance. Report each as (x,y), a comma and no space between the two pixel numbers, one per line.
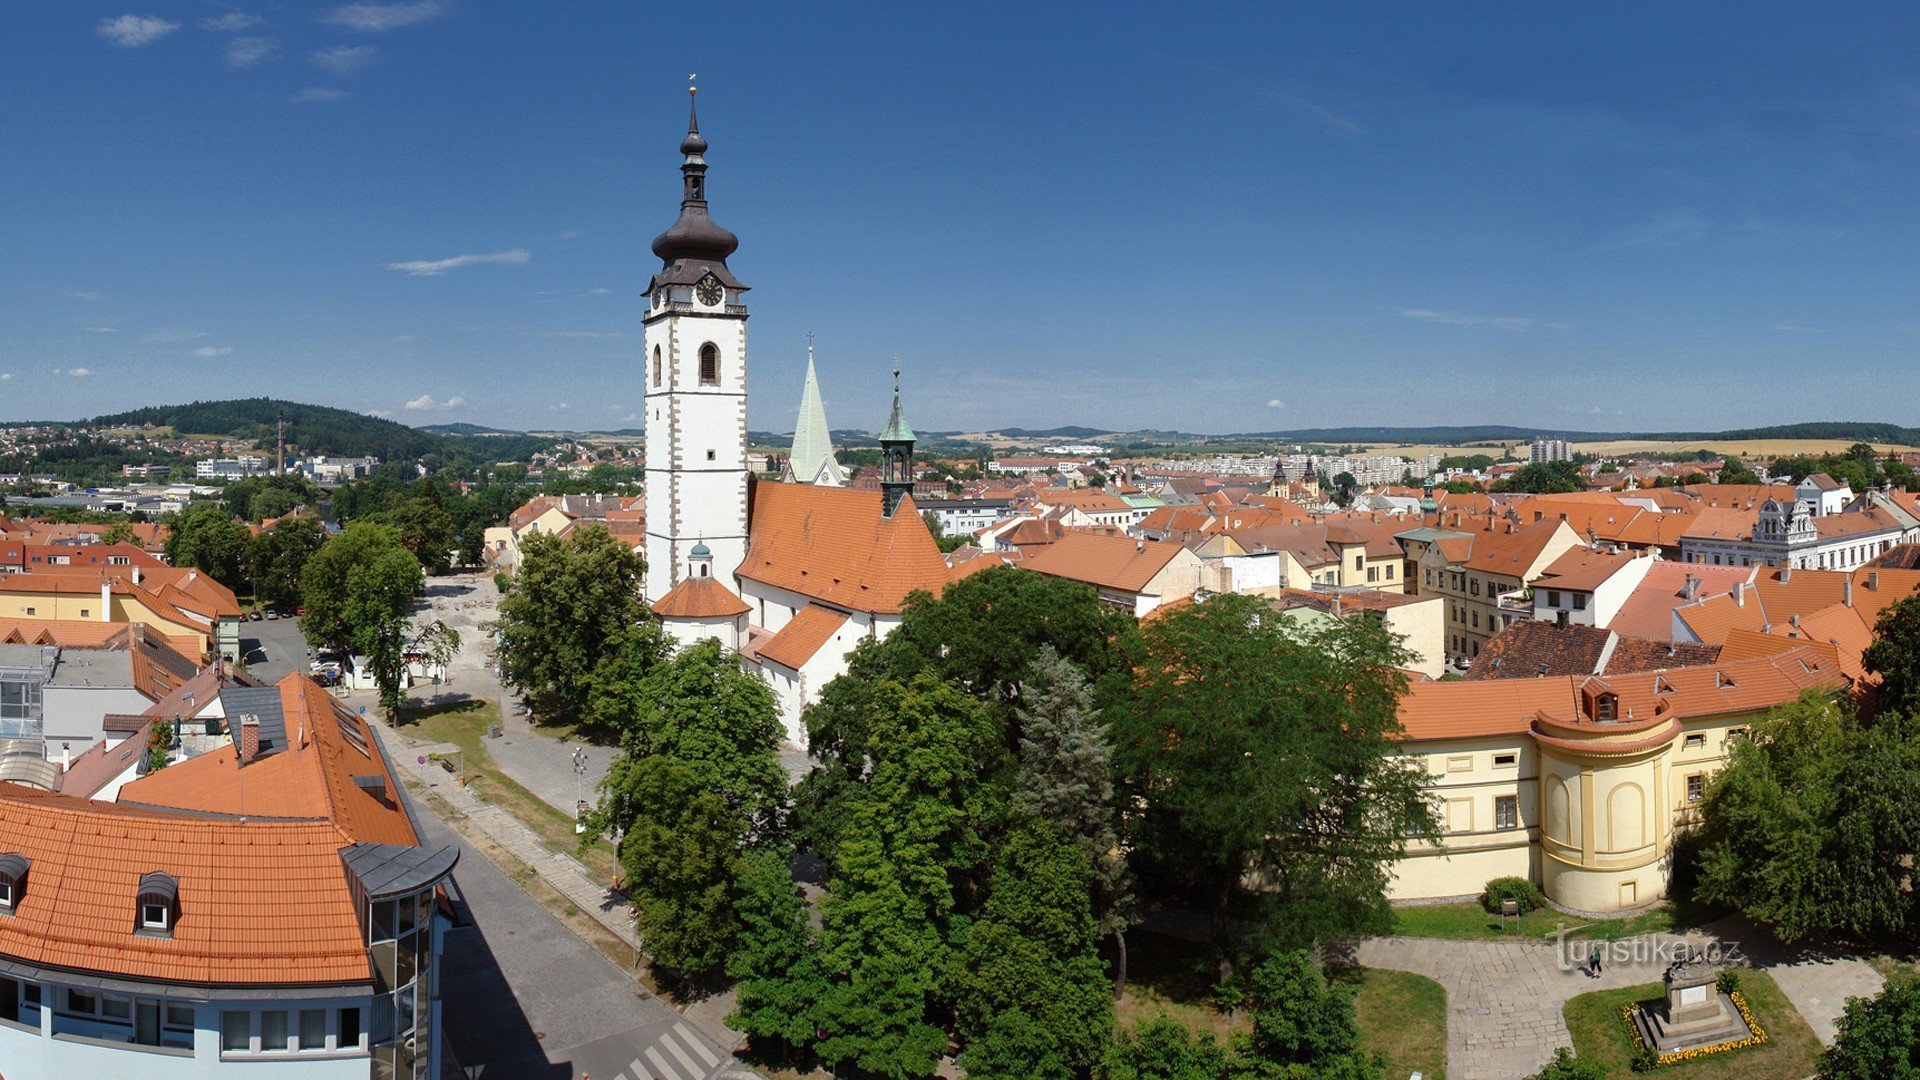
(1675,1057)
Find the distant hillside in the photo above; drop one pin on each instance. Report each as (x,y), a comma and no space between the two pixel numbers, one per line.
(1054,433)
(317,429)
(466,429)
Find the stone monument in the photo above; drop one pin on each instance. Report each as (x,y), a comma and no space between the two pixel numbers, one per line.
(1694,1013)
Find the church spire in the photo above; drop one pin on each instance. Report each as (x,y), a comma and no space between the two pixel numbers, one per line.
(811,460)
(896,453)
(694,246)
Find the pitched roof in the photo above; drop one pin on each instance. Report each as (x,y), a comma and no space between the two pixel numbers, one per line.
(1583,569)
(1113,562)
(259,902)
(312,778)
(700,598)
(1513,553)
(834,545)
(1647,612)
(1470,709)
(796,642)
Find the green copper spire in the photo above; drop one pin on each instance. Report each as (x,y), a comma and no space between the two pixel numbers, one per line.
(897,429)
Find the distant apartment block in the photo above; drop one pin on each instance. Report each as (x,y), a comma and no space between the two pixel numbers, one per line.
(1545,450)
(238,468)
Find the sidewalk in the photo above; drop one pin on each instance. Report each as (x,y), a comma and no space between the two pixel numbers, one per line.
(560,870)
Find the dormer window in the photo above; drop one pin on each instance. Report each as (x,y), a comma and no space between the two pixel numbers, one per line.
(158,904)
(13,879)
(1606,708)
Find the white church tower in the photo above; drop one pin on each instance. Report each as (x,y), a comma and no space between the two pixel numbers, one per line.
(696,392)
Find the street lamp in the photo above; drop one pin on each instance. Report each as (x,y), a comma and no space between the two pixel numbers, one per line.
(579,785)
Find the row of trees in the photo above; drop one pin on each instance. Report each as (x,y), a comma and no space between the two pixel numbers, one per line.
(270,565)
(973,770)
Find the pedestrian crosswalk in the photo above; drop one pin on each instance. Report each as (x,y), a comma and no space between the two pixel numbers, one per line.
(678,1054)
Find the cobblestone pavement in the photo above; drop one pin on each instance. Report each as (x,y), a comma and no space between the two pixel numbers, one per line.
(1504,998)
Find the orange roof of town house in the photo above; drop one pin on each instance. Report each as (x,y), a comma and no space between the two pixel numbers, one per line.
(1113,562)
(835,546)
(700,598)
(795,643)
(259,902)
(1513,553)
(1648,610)
(312,776)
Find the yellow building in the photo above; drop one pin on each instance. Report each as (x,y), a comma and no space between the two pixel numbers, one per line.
(1578,783)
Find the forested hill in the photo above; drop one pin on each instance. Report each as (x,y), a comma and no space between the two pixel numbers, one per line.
(317,429)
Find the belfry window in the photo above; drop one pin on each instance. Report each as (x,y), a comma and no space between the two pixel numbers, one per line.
(709,365)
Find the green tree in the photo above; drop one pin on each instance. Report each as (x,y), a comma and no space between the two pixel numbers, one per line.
(775,960)
(1031,993)
(1301,1025)
(1066,780)
(1811,829)
(323,581)
(681,854)
(913,833)
(426,529)
(1163,1049)
(570,601)
(1879,1037)
(1543,478)
(981,634)
(378,593)
(1264,750)
(1895,654)
(279,557)
(204,535)
(1565,1066)
(701,711)
(1735,471)
(119,532)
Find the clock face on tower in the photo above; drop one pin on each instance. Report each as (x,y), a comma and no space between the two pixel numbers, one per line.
(709,290)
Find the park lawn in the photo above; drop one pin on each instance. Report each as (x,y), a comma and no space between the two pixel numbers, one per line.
(1403,1017)
(465,723)
(1790,1053)
(1470,921)
(1168,976)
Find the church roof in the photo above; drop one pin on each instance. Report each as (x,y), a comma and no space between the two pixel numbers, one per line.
(896,429)
(795,643)
(834,545)
(812,441)
(700,598)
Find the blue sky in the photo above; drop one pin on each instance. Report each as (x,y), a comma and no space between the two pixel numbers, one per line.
(1247,217)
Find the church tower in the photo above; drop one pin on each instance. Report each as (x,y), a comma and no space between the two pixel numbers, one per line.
(896,453)
(696,392)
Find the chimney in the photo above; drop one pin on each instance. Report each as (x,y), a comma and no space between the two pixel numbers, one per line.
(1786,573)
(1690,588)
(1794,621)
(249,740)
(136,573)
(1140,545)
(1739,594)
(106,601)
(1847,591)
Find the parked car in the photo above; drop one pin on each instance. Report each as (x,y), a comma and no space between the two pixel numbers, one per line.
(273,614)
(253,616)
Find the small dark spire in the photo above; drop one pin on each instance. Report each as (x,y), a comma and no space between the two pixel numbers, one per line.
(694,245)
(694,145)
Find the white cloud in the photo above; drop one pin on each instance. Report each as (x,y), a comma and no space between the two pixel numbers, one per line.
(1503,322)
(568,235)
(425,401)
(103,329)
(83,296)
(630,418)
(211,350)
(246,52)
(231,22)
(1795,328)
(436,267)
(598,292)
(375,18)
(1276,403)
(133,31)
(173,334)
(317,93)
(562,407)
(77,373)
(404,337)
(5,375)
(345,59)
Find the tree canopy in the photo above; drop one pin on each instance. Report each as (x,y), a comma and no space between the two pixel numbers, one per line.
(570,607)
(1879,1037)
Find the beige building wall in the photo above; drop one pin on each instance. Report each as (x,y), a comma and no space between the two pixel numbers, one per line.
(1423,625)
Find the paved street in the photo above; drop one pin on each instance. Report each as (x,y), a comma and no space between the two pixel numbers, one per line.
(273,647)
(525,997)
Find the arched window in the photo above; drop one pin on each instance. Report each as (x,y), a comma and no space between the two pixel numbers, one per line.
(709,364)
(656,365)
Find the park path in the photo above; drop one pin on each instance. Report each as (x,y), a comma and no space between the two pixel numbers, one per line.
(1504,998)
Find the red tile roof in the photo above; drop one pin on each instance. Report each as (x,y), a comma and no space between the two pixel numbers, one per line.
(700,598)
(795,643)
(1112,562)
(833,545)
